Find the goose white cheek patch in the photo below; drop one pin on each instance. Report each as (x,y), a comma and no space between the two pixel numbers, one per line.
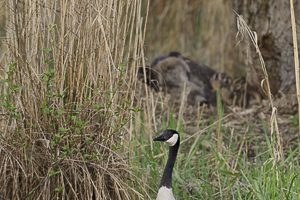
(172,141)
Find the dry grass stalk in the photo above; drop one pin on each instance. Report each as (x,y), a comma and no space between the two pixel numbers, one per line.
(219,134)
(68,94)
(296,59)
(244,30)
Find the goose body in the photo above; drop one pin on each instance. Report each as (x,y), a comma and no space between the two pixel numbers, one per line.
(171,137)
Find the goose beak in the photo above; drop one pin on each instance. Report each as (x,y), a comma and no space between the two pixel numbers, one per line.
(159,138)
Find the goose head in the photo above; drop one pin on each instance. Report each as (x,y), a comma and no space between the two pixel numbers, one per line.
(169,136)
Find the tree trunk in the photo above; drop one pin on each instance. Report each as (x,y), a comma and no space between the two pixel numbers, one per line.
(272,22)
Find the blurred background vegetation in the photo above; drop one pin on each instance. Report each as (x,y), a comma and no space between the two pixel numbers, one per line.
(202,30)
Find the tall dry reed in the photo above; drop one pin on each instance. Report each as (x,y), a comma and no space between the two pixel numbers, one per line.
(68,77)
(296,58)
(244,32)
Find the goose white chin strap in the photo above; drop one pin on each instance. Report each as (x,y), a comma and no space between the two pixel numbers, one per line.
(172,141)
(165,193)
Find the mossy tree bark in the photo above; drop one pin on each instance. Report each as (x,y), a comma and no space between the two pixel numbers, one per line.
(272,22)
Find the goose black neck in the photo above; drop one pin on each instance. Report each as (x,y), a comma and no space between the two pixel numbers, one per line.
(166,179)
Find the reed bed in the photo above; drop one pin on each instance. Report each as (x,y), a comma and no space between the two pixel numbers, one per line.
(68,73)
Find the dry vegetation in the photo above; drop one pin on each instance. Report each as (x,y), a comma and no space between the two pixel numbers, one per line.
(67,90)
(203,30)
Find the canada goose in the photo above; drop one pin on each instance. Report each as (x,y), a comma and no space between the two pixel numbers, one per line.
(171,137)
(173,73)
